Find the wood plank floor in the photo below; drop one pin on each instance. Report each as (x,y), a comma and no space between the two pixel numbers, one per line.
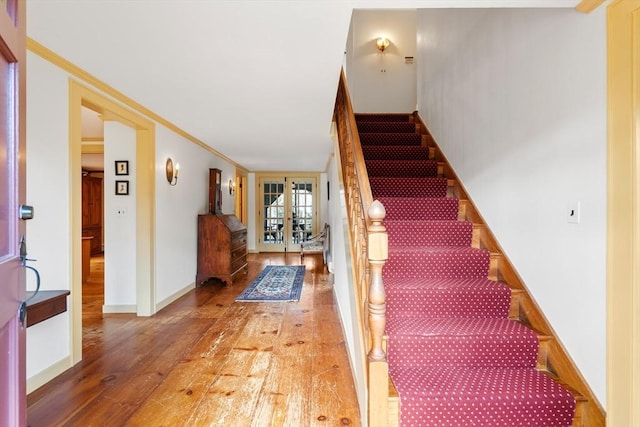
(206,360)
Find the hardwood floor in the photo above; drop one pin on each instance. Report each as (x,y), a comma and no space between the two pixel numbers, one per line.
(206,360)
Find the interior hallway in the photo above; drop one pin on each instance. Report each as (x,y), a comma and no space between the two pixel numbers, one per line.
(206,360)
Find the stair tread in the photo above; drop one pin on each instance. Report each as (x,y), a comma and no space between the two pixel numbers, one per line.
(408,223)
(437,396)
(439,250)
(461,342)
(424,326)
(398,283)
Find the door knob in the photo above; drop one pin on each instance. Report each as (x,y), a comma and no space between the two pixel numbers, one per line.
(26,212)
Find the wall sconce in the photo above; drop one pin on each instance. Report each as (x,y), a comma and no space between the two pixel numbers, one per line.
(382,43)
(172,173)
(232,187)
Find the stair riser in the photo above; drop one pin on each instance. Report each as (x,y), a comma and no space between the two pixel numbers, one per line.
(429,233)
(416,264)
(386,127)
(403,187)
(496,413)
(396,152)
(400,209)
(402,168)
(445,304)
(390,139)
(472,351)
(382,117)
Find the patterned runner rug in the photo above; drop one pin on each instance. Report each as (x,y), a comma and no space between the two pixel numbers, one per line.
(275,283)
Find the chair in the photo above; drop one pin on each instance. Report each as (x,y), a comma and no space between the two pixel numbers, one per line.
(318,243)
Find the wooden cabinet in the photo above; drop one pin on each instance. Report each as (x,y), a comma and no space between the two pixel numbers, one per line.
(92,211)
(222,248)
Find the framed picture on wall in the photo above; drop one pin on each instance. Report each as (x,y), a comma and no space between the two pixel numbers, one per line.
(122,188)
(122,167)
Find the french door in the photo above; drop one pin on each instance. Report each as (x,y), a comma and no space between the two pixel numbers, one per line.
(287,212)
(12,230)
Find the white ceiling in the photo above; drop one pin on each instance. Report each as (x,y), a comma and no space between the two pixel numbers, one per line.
(254,79)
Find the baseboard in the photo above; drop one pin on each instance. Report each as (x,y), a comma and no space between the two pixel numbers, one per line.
(120,308)
(361,388)
(43,377)
(171,298)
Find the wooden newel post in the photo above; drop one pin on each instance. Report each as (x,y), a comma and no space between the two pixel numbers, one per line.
(377,247)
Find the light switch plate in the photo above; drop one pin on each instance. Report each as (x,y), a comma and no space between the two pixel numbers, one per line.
(573,213)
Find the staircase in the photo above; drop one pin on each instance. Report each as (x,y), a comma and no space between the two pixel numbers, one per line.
(460,349)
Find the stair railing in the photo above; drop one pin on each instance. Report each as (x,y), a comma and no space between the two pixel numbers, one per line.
(369,251)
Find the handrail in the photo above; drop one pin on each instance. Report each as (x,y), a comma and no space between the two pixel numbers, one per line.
(369,249)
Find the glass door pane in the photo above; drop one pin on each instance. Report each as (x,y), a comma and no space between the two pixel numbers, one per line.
(273,209)
(302,208)
(287,213)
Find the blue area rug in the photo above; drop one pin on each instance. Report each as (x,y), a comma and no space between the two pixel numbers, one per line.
(275,283)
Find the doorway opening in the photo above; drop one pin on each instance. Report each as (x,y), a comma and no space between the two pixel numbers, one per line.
(92,159)
(287,210)
(81,96)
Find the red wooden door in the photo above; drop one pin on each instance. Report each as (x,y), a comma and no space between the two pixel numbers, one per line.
(12,194)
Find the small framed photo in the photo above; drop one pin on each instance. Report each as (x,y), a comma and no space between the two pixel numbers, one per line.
(122,167)
(122,188)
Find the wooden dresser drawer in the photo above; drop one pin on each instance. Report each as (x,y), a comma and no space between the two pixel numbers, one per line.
(238,264)
(238,239)
(238,252)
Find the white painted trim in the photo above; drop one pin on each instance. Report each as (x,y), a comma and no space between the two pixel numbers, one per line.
(171,298)
(43,377)
(119,308)
(359,383)
(449,4)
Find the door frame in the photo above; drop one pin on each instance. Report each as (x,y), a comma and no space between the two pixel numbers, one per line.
(80,95)
(259,176)
(13,359)
(242,186)
(623,213)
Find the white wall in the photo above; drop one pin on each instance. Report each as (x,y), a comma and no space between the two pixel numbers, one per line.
(119,228)
(382,82)
(48,190)
(516,99)
(177,210)
(344,288)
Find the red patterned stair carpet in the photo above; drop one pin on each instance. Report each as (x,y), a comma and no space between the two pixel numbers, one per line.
(454,355)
